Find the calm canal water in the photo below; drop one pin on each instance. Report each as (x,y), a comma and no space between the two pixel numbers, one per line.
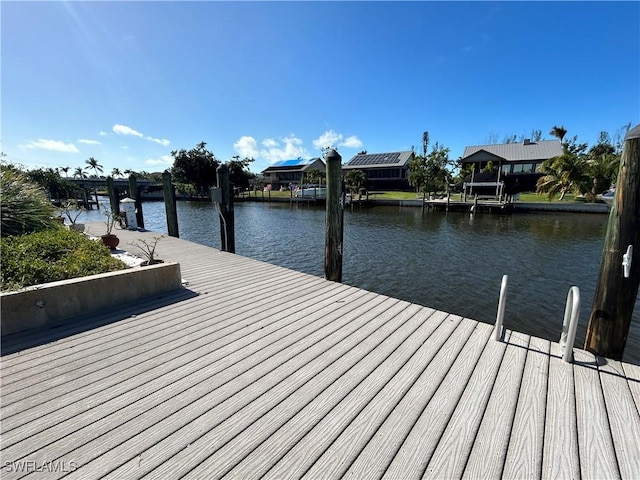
(448,261)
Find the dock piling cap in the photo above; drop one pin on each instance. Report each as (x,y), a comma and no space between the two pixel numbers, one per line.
(633,133)
(127,200)
(331,154)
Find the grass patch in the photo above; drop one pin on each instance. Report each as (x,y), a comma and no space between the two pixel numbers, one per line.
(532,197)
(52,255)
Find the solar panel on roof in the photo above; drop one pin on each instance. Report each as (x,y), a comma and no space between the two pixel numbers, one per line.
(290,163)
(375,159)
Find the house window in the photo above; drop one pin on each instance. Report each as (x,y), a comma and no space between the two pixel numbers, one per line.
(506,169)
(523,168)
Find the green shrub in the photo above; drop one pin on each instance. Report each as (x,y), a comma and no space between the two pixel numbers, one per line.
(52,255)
(24,205)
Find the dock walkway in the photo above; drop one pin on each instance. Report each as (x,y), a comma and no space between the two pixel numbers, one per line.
(257,371)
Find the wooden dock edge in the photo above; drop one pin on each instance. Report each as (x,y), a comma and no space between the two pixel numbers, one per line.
(57,302)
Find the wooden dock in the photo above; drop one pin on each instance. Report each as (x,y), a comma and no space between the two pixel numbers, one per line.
(258,371)
(490,206)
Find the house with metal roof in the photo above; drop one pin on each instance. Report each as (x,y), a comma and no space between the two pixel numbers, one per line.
(290,172)
(385,171)
(517,163)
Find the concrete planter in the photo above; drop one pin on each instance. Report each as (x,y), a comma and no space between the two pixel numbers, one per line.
(57,303)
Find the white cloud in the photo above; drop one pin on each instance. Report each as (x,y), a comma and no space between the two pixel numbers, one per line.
(351,142)
(291,148)
(269,142)
(327,139)
(164,142)
(89,142)
(124,130)
(103,133)
(163,160)
(246,147)
(54,145)
(332,139)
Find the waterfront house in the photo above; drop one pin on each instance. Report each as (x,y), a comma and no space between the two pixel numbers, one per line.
(517,163)
(385,171)
(290,172)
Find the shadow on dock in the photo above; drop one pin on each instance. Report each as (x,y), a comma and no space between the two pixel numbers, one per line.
(40,336)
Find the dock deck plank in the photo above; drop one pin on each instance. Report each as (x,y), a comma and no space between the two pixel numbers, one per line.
(258,371)
(488,456)
(561,455)
(595,443)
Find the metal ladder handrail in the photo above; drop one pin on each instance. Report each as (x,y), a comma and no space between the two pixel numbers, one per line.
(497,330)
(570,324)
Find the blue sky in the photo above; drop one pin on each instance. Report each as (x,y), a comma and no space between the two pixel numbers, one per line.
(128,82)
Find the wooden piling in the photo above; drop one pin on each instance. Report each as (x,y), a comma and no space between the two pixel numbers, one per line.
(134,194)
(170,204)
(615,295)
(85,200)
(114,201)
(227,222)
(333,248)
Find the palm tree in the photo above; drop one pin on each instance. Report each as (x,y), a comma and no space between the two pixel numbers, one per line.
(558,132)
(79,173)
(564,174)
(116,172)
(93,163)
(315,176)
(65,170)
(425,143)
(355,180)
(128,171)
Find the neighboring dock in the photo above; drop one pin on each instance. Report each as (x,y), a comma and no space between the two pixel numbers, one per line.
(268,372)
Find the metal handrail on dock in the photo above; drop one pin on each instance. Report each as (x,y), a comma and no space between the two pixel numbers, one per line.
(498,330)
(570,324)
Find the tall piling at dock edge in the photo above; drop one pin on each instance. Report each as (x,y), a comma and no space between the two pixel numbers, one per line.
(227,220)
(616,290)
(334,219)
(170,204)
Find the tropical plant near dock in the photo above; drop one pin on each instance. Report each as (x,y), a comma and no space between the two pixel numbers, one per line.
(563,174)
(148,249)
(24,205)
(52,255)
(355,180)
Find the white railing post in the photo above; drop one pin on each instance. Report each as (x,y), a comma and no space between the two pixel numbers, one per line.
(570,324)
(497,330)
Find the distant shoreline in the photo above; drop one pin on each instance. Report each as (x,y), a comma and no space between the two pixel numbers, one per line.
(574,207)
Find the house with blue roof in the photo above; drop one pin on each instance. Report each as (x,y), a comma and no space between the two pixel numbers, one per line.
(286,173)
